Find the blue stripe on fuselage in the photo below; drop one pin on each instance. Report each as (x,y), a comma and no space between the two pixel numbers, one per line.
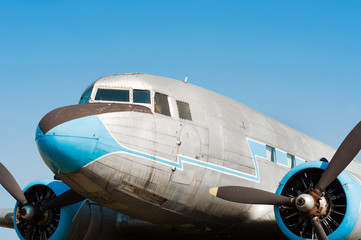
(107,144)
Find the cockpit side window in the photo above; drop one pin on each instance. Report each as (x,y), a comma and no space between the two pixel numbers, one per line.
(184,110)
(161,104)
(141,96)
(114,95)
(86,95)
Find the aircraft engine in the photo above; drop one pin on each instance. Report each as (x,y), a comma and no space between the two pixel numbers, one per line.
(49,214)
(315,199)
(50,224)
(337,211)
(49,210)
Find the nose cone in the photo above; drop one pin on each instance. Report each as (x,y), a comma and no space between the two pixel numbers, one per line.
(70,137)
(67,145)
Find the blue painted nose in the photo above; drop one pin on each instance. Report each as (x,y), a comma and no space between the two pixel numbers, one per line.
(69,145)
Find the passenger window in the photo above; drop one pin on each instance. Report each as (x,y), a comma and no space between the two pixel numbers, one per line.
(184,111)
(270,153)
(112,95)
(161,104)
(141,96)
(291,159)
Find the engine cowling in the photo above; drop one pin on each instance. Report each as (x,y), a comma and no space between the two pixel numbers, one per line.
(342,197)
(54,224)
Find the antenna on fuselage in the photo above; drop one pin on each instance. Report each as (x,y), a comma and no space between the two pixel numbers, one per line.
(186,79)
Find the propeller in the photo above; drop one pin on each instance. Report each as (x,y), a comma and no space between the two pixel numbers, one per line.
(67,198)
(250,195)
(28,211)
(321,235)
(10,184)
(308,203)
(347,151)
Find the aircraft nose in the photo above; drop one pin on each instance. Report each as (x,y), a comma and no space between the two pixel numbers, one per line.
(66,143)
(70,137)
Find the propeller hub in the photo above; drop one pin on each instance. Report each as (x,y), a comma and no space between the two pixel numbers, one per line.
(27,212)
(305,202)
(320,206)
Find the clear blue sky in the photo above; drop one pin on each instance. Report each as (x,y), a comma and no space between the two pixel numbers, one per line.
(296,61)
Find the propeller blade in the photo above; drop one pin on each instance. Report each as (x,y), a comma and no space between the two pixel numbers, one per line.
(321,235)
(10,184)
(342,158)
(67,198)
(250,196)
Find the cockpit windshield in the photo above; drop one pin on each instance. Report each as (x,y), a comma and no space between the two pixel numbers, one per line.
(137,96)
(86,95)
(141,96)
(113,95)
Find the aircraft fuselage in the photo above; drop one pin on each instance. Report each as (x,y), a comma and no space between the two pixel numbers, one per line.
(154,152)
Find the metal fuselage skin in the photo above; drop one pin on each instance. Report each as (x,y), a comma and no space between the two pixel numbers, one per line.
(159,168)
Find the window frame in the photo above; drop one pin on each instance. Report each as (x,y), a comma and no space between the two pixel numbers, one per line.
(170,105)
(113,88)
(138,103)
(291,160)
(131,95)
(90,89)
(188,109)
(271,153)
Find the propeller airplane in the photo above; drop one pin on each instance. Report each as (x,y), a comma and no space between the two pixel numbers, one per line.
(143,156)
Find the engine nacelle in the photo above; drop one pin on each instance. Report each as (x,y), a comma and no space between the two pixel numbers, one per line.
(343,204)
(83,220)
